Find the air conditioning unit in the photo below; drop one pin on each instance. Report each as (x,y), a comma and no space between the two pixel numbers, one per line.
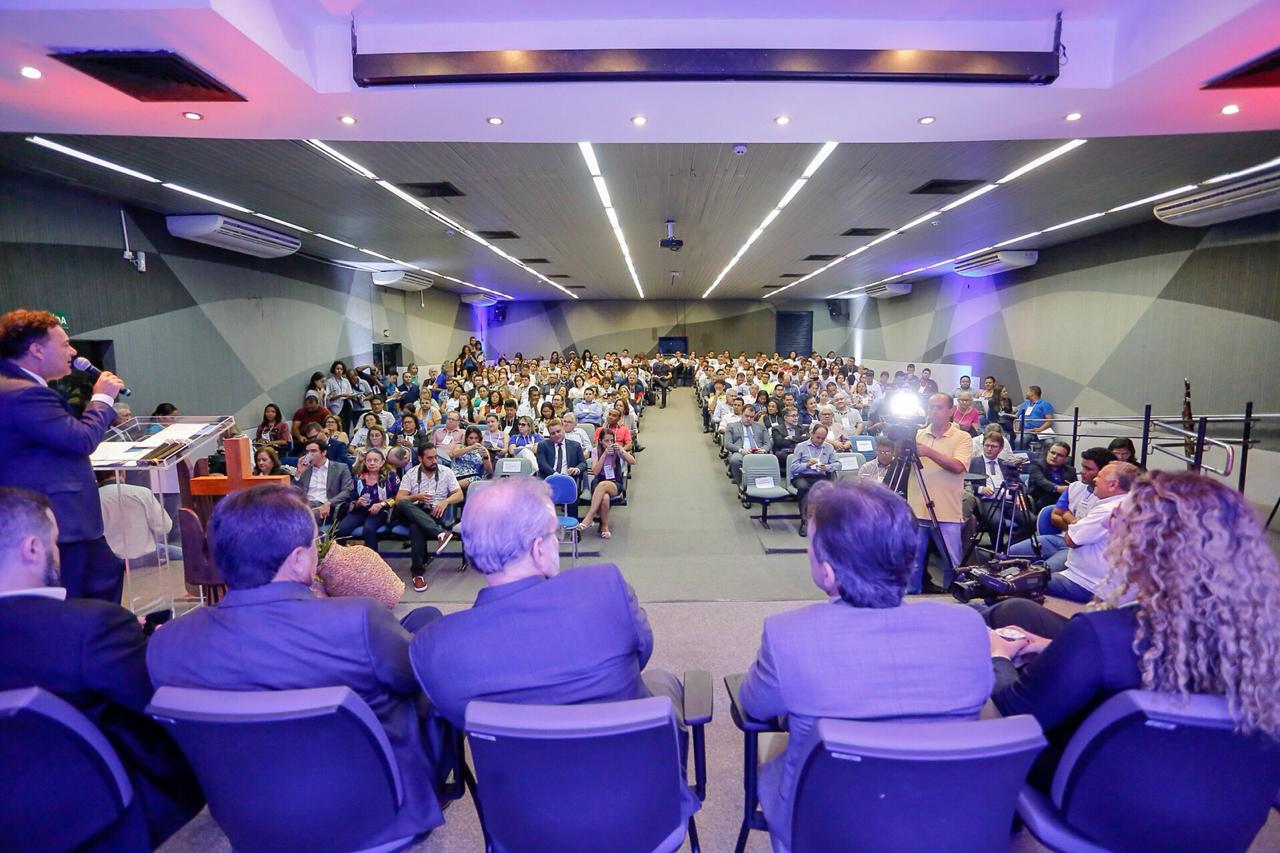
(407,280)
(889,290)
(1247,196)
(227,233)
(994,262)
(479,299)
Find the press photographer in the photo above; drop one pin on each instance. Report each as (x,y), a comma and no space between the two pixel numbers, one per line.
(943,450)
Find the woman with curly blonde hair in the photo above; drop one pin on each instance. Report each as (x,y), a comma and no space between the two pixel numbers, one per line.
(1192,607)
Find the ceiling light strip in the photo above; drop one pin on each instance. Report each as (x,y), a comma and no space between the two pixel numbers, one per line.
(342,159)
(205,196)
(1242,172)
(89,158)
(1041,160)
(818,159)
(602,190)
(1157,197)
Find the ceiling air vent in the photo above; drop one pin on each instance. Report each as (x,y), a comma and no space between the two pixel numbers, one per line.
(407,280)
(864,232)
(791,275)
(822,257)
(149,75)
(559,275)
(1246,196)
(889,290)
(946,186)
(575,286)
(534,261)
(499,235)
(996,262)
(227,233)
(433,189)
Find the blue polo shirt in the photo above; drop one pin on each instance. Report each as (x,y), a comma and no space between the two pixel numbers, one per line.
(1036,412)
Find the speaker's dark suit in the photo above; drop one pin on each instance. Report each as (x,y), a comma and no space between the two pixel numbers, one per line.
(93,655)
(45,447)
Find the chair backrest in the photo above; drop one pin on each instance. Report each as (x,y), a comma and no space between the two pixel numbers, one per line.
(761,465)
(599,777)
(63,783)
(1146,771)
(908,786)
(786,469)
(1044,526)
(564,489)
(515,466)
(198,568)
(850,462)
(286,769)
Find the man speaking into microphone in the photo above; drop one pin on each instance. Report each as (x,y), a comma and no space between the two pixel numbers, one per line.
(45,447)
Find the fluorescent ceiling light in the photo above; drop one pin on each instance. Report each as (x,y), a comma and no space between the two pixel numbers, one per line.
(1179,191)
(205,196)
(965,199)
(1249,171)
(885,236)
(89,158)
(402,195)
(1072,222)
(1018,239)
(823,153)
(913,223)
(593,166)
(283,222)
(377,255)
(1042,159)
(343,159)
(335,240)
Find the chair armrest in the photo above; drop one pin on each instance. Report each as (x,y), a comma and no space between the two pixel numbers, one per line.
(699,698)
(744,721)
(1046,824)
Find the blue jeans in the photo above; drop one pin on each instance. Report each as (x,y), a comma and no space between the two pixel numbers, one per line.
(951,531)
(1060,587)
(1053,550)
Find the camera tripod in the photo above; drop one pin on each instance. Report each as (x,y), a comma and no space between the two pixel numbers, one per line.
(907,462)
(1009,499)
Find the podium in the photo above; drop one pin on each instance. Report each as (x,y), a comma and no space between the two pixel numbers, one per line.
(140,491)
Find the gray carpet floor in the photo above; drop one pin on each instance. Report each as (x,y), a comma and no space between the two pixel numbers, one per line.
(700,566)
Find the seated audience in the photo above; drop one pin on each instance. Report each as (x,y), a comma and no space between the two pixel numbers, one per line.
(1123,450)
(92,654)
(837,435)
(310,413)
(784,437)
(494,436)
(450,434)
(576,434)
(133,520)
(1073,505)
(845,416)
(534,635)
(524,440)
(1190,557)
(813,460)
(861,655)
(1050,475)
(378,407)
(369,507)
(411,436)
(1033,418)
(471,460)
(1018,516)
(266,463)
(965,415)
(981,439)
(608,474)
(877,469)
(333,428)
(589,410)
(325,484)
(271,632)
(557,455)
(273,431)
(747,437)
(425,494)
(1086,539)
(360,438)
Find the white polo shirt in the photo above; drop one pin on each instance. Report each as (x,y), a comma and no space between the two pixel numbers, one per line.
(1086,562)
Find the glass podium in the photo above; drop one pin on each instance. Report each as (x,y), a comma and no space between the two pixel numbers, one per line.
(139,487)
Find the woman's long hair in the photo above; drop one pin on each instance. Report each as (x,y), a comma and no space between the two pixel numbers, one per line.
(1194,554)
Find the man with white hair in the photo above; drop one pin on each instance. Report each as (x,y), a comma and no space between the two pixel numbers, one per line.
(576,434)
(534,635)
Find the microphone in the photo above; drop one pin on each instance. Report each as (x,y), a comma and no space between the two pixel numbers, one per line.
(85,366)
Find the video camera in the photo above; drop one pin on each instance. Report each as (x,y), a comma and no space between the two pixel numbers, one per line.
(1013,466)
(999,579)
(903,417)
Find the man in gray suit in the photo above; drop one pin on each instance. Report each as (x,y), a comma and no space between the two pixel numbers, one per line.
(270,632)
(325,485)
(747,436)
(535,635)
(862,655)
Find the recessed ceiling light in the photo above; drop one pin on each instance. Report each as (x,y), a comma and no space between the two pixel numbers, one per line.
(1230,109)
(31,72)
(347,120)
(782,120)
(192,116)
(494,120)
(639,121)
(1074,116)
(926,119)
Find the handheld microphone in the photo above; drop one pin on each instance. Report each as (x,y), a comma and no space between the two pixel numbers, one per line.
(85,366)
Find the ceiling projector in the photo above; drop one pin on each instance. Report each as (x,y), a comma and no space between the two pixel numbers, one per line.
(671,242)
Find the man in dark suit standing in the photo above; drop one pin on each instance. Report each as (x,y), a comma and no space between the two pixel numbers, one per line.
(93,655)
(46,448)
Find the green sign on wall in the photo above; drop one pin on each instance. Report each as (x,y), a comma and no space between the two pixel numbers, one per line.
(62,319)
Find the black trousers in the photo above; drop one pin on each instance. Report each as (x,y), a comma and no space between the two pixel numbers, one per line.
(1022,613)
(662,385)
(359,520)
(803,484)
(422,524)
(91,570)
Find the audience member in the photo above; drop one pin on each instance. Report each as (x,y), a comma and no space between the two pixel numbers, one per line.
(576,434)
(944,459)
(813,460)
(425,494)
(981,439)
(1018,515)
(1190,557)
(964,415)
(93,655)
(272,430)
(1050,475)
(747,437)
(369,507)
(588,410)
(861,655)
(556,455)
(1073,505)
(609,475)
(133,521)
(450,434)
(471,460)
(784,437)
(270,632)
(1124,451)
(1086,539)
(878,468)
(310,413)
(1033,418)
(324,484)
(266,463)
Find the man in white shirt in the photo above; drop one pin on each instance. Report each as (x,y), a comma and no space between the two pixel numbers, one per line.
(378,407)
(133,521)
(877,469)
(426,491)
(848,417)
(576,434)
(324,484)
(1073,505)
(1087,565)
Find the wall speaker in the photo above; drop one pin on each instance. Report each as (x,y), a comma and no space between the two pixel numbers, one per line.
(835,308)
(500,312)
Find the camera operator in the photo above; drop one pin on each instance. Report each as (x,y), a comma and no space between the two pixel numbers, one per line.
(944,450)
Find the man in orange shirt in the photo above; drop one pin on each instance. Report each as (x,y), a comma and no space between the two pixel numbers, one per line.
(944,451)
(620,431)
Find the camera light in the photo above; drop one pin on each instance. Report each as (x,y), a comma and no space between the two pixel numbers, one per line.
(904,405)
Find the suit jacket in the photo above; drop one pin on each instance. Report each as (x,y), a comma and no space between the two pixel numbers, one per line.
(545,452)
(40,429)
(1043,491)
(578,637)
(279,636)
(978,465)
(339,487)
(923,660)
(93,655)
(733,437)
(784,440)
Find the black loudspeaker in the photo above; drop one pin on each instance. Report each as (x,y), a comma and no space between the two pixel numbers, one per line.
(835,308)
(500,313)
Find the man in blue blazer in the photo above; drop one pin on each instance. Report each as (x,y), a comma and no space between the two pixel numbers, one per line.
(270,632)
(534,635)
(46,447)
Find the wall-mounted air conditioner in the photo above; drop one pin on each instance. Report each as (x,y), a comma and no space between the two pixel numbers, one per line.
(227,233)
(1252,194)
(479,299)
(889,290)
(995,262)
(407,280)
